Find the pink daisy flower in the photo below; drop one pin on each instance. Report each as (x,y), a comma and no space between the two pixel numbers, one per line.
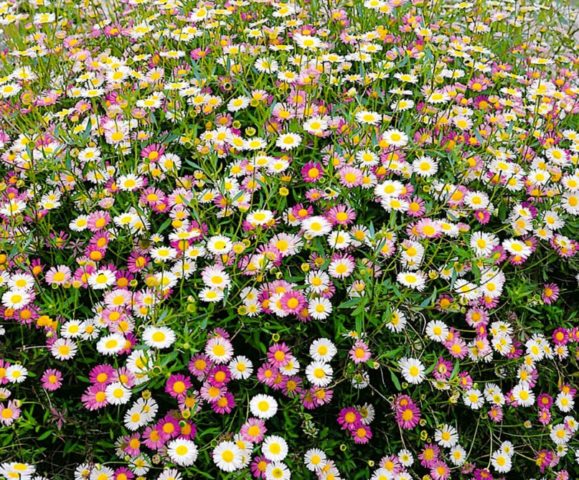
(312,172)
(253,430)
(9,413)
(349,418)
(550,293)
(350,177)
(224,405)
(292,302)
(360,352)
(341,215)
(58,275)
(94,397)
(51,379)
(279,355)
(362,434)
(177,385)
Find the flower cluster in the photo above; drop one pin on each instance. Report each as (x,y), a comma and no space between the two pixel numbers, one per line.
(325,239)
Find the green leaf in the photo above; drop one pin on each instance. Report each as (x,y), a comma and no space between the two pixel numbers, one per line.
(395,381)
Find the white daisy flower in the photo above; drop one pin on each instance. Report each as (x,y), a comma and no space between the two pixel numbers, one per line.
(239,103)
(16,299)
(523,395)
(159,337)
(457,455)
(117,394)
(437,330)
(316,226)
(241,368)
(101,279)
(315,125)
(368,118)
(565,402)
(323,350)
(314,459)
(319,308)
(395,138)
(263,406)
(424,166)
(288,141)
(517,247)
(415,280)
(483,243)
(21,281)
(16,373)
(111,344)
(219,245)
(473,398)
(446,436)
(9,90)
(63,349)
(277,471)
(412,370)
(163,254)
(560,434)
(259,217)
(406,458)
(182,452)
(274,448)
(228,456)
(211,295)
(219,350)
(501,462)
(319,374)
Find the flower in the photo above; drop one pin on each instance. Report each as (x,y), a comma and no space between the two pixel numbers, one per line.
(316,226)
(550,293)
(288,141)
(63,349)
(323,350)
(51,379)
(415,280)
(319,373)
(360,352)
(240,367)
(277,471)
(314,459)
(16,373)
(117,394)
(517,247)
(177,385)
(263,406)
(227,456)
(473,398)
(368,118)
(219,350)
(111,344)
(523,395)
(320,308)
(425,166)
(412,370)
(395,138)
(260,217)
(16,299)
(307,42)
(101,279)
(274,448)
(182,452)
(446,436)
(158,337)
(9,413)
(501,462)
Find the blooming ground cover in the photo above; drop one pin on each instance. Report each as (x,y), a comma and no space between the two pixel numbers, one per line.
(322,239)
